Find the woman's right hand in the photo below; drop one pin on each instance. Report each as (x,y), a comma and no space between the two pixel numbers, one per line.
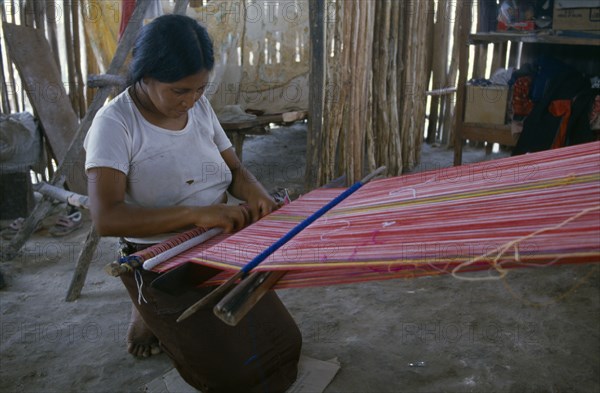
(229,217)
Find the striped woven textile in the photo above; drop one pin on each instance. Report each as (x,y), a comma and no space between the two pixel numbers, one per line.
(534,210)
(157,249)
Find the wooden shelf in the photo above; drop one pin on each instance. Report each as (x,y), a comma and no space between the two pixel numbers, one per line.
(500,133)
(532,38)
(480,132)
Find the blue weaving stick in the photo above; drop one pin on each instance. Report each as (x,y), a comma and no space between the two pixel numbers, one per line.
(220,291)
(298,228)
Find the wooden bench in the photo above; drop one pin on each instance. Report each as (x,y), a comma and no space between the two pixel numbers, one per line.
(480,132)
(237,130)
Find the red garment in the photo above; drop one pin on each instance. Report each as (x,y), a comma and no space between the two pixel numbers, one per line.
(521,102)
(561,108)
(127,7)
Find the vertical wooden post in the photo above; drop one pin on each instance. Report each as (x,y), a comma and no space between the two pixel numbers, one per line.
(9,66)
(316,94)
(77,56)
(463,67)
(440,43)
(72,91)
(51,16)
(3,89)
(83,264)
(450,107)
(181,7)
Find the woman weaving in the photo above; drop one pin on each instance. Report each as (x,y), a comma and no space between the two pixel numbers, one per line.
(158,161)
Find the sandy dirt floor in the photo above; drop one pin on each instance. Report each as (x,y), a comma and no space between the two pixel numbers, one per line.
(536,331)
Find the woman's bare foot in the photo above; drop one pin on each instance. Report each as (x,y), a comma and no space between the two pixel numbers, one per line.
(141,342)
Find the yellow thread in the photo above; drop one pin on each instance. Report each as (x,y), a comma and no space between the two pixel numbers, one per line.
(570,179)
(504,248)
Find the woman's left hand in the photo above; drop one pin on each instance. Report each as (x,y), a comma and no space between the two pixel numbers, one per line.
(261,205)
(244,186)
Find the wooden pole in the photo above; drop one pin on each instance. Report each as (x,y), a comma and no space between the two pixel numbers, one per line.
(92,68)
(4,90)
(480,60)
(60,194)
(366,164)
(83,264)
(405,49)
(401,84)
(353,115)
(374,144)
(449,105)
(392,153)
(72,91)
(444,101)
(9,64)
(338,77)
(331,37)
(425,60)
(463,66)
(104,80)
(181,7)
(39,15)
(27,12)
(498,56)
(381,55)
(440,42)
(77,59)
(25,16)
(51,14)
(418,92)
(430,50)
(316,9)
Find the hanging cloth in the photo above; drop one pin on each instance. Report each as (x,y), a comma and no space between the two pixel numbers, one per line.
(560,108)
(127,6)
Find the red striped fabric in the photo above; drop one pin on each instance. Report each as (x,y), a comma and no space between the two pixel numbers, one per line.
(156,249)
(449,220)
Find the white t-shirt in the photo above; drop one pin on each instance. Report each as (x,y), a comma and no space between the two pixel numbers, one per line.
(163,167)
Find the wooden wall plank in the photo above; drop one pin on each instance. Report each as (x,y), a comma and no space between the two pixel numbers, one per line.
(34,60)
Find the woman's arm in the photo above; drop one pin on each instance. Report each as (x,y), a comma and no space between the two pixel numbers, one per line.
(113,217)
(244,186)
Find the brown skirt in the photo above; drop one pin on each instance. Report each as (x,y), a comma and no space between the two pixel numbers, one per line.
(260,354)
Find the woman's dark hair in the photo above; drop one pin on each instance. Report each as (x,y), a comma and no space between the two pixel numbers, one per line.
(170,48)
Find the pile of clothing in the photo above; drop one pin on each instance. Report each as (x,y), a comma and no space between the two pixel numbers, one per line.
(553,105)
